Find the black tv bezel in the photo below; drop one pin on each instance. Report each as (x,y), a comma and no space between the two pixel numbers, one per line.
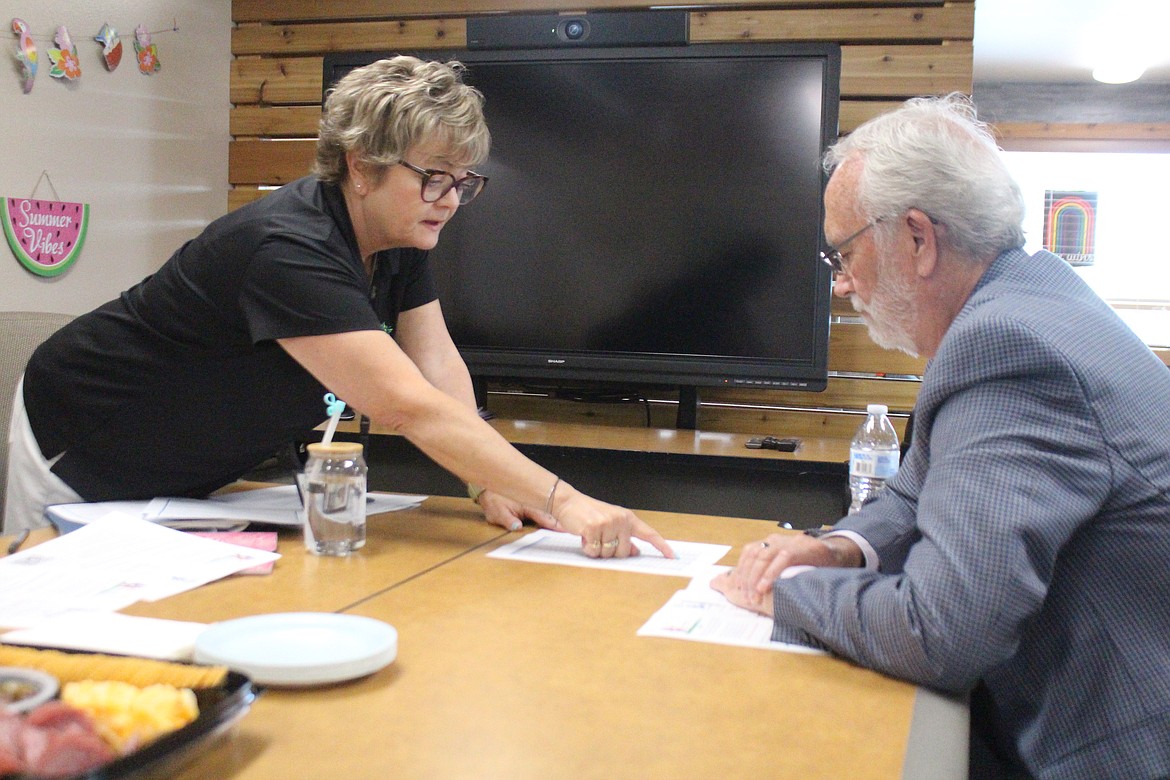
(572,368)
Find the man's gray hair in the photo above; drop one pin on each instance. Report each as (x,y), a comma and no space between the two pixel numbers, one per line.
(932,154)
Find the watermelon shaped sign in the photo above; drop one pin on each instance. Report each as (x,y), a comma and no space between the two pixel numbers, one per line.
(45,235)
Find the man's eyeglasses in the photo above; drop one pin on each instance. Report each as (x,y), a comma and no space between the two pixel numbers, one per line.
(836,261)
(436,184)
(833,257)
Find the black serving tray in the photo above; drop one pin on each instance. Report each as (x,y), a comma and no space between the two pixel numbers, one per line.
(219,709)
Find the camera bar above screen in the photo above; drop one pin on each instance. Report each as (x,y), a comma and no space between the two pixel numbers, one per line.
(653,216)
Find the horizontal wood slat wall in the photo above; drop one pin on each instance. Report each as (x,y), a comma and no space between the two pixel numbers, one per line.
(338,10)
(1096,131)
(891,50)
(844,25)
(1084,137)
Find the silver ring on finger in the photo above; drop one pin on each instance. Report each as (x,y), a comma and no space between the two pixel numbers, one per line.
(612,543)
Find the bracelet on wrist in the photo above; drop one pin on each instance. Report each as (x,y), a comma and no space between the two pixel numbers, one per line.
(474,492)
(552,494)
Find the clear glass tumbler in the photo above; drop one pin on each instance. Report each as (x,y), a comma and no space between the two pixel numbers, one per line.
(333,494)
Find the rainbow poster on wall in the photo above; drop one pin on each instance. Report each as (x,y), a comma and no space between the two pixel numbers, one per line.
(1070,225)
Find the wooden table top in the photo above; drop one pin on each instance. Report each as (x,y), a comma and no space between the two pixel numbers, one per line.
(516,670)
(520,670)
(398,545)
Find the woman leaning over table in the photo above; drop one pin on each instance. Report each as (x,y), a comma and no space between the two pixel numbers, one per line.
(196,374)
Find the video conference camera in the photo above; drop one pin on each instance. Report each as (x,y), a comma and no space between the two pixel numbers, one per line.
(605,28)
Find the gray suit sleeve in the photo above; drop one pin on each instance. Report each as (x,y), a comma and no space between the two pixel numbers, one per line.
(1010,464)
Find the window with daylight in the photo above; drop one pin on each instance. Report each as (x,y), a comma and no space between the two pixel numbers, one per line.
(1103,213)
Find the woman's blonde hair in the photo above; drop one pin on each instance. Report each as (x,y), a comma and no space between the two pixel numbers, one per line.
(381,110)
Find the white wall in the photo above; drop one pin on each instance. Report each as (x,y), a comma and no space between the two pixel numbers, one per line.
(1132,263)
(148,153)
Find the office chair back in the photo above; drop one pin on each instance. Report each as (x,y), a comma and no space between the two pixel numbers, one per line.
(21,332)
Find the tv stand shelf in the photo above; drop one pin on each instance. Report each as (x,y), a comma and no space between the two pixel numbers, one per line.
(664,440)
(647,468)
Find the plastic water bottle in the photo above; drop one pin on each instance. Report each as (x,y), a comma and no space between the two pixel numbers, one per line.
(873,456)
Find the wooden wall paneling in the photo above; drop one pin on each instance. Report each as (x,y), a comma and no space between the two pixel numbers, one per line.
(1143,137)
(349,36)
(272,81)
(853,113)
(706,27)
(841,307)
(906,71)
(1102,131)
(851,349)
(1086,145)
(338,10)
(784,422)
(257,161)
(238,196)
(948,22)
(275,121)
(891,50)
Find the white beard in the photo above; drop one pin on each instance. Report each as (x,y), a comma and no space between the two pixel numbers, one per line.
(890,313)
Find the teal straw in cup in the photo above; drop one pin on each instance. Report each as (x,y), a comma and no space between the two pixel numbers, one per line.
(334,406)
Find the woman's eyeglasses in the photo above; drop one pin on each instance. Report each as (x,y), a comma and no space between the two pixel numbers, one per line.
(436,184)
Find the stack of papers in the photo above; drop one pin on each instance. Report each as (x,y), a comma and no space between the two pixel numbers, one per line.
(545,546)
(113,632)
(110,564)
(700,613)
(66,592)
(260,540)
(280,506)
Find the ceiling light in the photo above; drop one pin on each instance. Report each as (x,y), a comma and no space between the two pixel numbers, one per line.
(1118,72)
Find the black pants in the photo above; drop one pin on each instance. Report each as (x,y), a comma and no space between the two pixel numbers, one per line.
(988,758)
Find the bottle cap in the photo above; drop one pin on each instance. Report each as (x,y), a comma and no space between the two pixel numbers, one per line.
(877,409)
(335,449)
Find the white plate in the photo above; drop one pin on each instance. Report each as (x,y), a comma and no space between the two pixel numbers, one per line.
(299,648)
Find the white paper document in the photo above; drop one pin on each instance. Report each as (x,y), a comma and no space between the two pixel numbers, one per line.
(544,546)
(113,632)
(700,613)
(110,564)
(279,505)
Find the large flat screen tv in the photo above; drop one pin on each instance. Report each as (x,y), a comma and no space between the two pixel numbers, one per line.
(653,216)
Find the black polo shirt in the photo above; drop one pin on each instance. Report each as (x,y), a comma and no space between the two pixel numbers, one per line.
(178,386)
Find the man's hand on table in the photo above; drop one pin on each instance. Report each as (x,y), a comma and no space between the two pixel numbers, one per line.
(749,584)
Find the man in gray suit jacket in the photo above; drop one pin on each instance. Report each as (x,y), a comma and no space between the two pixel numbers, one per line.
(1022,552)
